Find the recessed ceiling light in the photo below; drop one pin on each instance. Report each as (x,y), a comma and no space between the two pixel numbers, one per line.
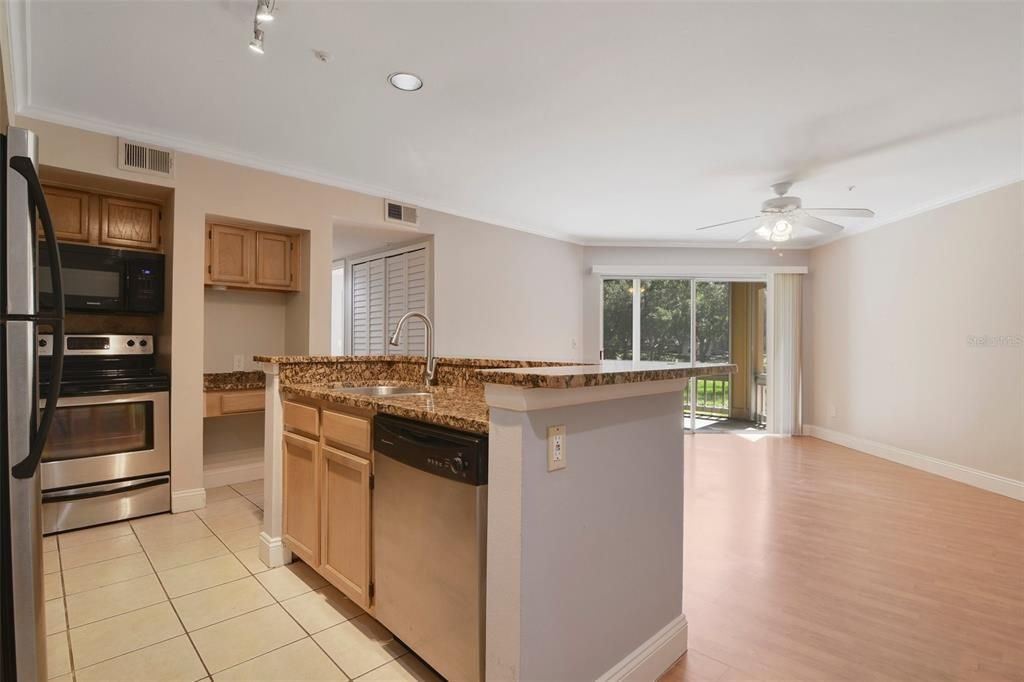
(409,82)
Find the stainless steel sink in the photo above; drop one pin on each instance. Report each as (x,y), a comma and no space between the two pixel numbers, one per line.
(382,391)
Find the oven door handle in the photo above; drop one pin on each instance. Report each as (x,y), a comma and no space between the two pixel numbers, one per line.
(102,491)
(27,467)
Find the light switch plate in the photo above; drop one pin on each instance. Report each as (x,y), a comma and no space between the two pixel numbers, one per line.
(556,447)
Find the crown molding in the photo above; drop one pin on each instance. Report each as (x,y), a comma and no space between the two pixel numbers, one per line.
(939,203)
(215,152)
(211,151)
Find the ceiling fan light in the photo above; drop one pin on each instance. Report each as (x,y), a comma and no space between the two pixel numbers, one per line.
(764,232)
(782,226)
(780,237)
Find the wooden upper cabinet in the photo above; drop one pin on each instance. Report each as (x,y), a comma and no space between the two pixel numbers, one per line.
(69,210)
(229,254)
(244,258)
(345,551)
(125,222)
(274,259)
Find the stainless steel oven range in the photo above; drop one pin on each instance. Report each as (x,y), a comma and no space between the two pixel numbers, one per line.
(107,457)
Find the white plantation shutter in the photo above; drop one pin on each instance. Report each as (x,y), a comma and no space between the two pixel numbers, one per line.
(407,291)
(416,299)
(383,290)
(395,266)
(360,311)
(378,308)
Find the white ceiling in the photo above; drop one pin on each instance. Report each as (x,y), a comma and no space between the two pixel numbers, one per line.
(352,240)
(609,122)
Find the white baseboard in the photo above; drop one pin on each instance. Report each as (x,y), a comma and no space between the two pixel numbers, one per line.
(652,658)
(273,552)
(187,500)
(957,472)
(214,477)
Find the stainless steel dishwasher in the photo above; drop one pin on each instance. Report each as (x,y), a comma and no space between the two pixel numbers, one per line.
(430,542)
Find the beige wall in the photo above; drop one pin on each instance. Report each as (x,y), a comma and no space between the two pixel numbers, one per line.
(243,323)
(887,351)
(504,293)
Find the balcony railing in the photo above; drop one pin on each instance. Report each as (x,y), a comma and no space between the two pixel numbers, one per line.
(712,395)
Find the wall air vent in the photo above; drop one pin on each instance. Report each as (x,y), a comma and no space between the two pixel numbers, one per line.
(144,158)
(395,212)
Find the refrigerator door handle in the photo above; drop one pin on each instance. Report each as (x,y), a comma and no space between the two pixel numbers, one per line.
(26,468)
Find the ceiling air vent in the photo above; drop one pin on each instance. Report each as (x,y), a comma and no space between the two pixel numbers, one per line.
(144,158)
(395,212)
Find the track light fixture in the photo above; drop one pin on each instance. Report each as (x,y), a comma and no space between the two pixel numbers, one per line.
(264,13)
(256,44)
(265,10)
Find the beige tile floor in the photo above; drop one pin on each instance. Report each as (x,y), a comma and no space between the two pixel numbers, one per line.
(186,597)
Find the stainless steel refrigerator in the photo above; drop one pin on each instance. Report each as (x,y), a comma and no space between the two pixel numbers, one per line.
(22,424)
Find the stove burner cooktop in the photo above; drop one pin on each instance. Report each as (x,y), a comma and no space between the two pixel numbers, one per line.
(103,364)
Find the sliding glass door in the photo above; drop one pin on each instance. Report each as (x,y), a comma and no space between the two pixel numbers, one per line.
(691,321)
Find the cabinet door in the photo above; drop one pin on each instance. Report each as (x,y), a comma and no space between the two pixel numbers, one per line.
(230,254)
(345,518)
(69,210)
(273,259)
(124,222)
(301,494)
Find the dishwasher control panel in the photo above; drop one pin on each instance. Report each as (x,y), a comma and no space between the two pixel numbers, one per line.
(455,455)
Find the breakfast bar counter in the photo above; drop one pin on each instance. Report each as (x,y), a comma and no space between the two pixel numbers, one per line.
(584,522)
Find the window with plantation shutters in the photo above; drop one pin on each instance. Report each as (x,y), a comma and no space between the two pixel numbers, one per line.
(382,291)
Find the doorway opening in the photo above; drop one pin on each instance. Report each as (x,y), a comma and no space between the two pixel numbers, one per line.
(693,321)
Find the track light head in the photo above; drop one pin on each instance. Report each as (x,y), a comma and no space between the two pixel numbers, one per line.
(256,44)
(264,10)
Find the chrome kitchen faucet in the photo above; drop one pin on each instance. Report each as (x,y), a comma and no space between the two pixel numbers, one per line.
(430,371)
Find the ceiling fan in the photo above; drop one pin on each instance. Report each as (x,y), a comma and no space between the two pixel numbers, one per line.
(783,215)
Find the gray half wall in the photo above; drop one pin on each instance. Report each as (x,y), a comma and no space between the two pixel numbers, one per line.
(602,540)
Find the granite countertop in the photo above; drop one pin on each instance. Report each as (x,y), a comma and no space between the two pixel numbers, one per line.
(604,373)
(483,363)
(454,407)
(233,381)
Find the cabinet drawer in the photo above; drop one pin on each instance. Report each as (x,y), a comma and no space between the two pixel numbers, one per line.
(301,418)
(242,401)
(347,430)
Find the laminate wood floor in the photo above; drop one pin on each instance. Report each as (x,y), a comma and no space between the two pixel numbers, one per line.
(810,561)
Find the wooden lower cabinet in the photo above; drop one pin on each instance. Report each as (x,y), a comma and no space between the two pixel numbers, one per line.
(301,491)
(345,523)
(327,493)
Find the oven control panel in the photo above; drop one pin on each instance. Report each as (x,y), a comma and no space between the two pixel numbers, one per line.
(99,344)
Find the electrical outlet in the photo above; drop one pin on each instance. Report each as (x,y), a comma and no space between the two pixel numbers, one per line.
(832,412)
(556,447)
(239,363)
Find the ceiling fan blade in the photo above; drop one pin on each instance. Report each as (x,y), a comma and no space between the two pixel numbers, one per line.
(843,212)
(731,222)
(819,225)
(749,236)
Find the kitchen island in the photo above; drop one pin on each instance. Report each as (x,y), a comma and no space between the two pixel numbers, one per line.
(584,554)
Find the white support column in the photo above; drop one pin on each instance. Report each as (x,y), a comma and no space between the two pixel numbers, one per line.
(271,549)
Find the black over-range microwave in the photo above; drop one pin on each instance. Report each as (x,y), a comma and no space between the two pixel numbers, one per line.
(102,279)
